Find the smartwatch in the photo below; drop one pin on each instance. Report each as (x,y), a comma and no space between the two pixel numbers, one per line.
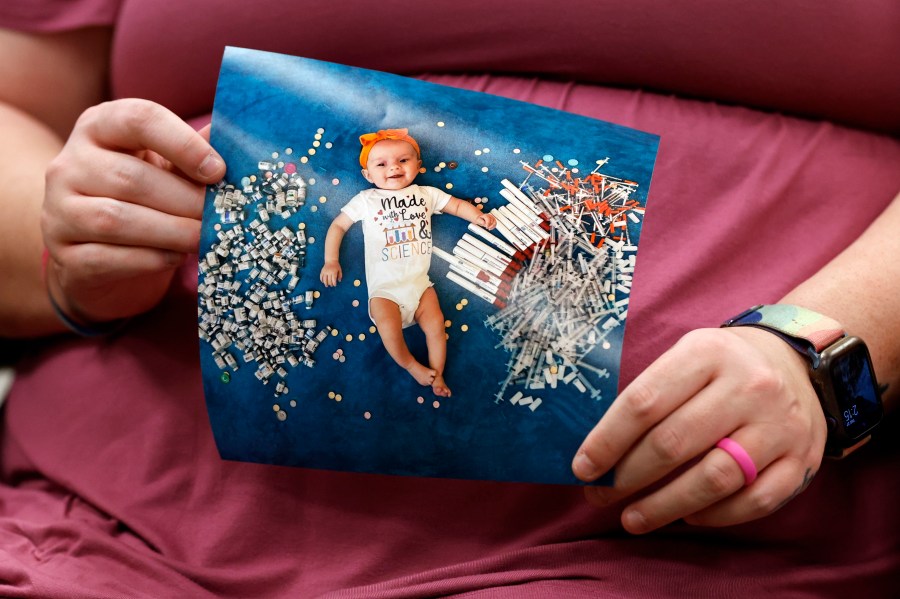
(840,369)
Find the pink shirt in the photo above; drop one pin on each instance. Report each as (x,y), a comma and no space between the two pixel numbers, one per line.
(111,481)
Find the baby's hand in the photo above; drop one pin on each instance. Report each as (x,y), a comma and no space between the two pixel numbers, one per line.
(487,221)
(331,273)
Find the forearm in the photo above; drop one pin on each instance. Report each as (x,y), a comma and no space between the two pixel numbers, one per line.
(333,239)
(860,288)
(33,123)
(27,149)
(462,209)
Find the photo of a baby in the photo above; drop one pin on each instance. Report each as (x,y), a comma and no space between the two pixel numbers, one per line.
(396,215)
(479,347)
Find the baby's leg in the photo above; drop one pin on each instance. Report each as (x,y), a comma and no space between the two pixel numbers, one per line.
(386,315)
(431,319)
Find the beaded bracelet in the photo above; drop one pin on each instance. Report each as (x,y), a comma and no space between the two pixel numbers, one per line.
(85,330)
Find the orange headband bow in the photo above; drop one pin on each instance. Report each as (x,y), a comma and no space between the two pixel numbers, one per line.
(370,139)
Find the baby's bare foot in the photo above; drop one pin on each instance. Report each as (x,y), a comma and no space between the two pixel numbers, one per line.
(440,387)
(423,375)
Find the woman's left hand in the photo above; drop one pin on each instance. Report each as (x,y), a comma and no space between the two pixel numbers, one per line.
(742,383)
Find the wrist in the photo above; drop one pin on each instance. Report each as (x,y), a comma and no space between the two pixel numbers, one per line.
(838,366)
(783,358)
(70,317)
(775,348)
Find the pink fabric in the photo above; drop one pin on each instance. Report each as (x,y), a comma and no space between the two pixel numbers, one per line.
(830,59)
(120,425)
(821,58)
(111,485)
(50,16)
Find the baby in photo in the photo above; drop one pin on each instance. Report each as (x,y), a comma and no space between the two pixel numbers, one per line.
(396,215)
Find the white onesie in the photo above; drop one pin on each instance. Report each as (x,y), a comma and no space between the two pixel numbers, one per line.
(397,233)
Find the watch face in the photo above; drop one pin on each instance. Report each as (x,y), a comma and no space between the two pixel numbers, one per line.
(855,390)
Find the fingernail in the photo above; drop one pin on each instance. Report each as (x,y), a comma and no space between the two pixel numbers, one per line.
(210,165)
(583,467)
(634,522)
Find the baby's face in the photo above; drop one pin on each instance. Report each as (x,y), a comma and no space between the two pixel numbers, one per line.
(392,164)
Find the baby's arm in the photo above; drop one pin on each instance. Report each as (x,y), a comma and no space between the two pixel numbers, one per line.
(331,272)
(469,212)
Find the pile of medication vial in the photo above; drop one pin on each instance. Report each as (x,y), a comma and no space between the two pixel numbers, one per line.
(253,318)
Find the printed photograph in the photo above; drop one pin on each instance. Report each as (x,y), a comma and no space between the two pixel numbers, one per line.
(400,277)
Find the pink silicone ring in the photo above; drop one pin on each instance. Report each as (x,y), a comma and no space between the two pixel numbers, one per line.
(740,455)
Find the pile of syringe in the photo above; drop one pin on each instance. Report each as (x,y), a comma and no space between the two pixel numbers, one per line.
(251,314)
(561,276)
(559,308)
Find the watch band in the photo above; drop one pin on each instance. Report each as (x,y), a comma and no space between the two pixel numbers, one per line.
(806,331)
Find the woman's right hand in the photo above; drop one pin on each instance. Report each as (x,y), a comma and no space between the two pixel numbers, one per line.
(122,208)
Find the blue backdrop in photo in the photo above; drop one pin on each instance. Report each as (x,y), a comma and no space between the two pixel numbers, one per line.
(385,422)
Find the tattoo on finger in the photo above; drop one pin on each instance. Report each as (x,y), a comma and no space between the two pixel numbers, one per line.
(807,479)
